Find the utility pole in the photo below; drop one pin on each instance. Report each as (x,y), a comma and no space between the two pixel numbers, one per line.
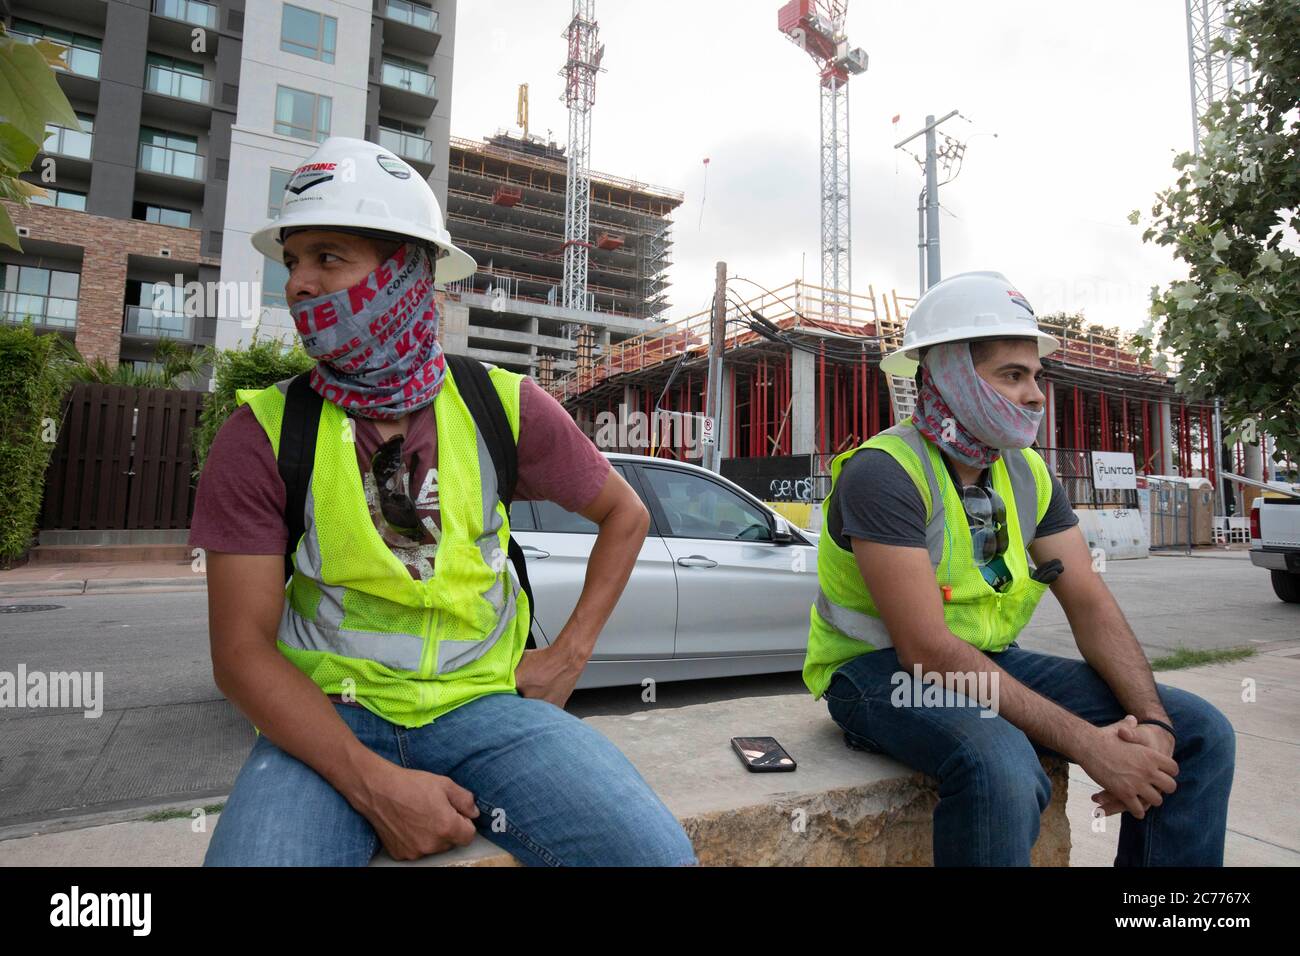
(717,337)
(931,194)
(1220,491)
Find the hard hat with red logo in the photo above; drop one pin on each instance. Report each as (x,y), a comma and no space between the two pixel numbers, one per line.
(971,305)
(354,186)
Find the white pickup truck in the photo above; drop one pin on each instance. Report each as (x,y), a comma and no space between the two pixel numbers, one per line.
(1275,540)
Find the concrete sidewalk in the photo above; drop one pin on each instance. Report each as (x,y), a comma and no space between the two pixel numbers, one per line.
(35,580)
(1260,695)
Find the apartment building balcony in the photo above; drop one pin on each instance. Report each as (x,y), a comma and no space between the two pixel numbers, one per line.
(176,96)
(172,170)
(193,12)
(404,89)
(413,148)
(411,26)
(173,22)
(78,74)
(45,311)
(142,322)
(70,148)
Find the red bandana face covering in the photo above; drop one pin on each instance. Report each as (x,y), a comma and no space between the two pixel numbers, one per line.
(376,344)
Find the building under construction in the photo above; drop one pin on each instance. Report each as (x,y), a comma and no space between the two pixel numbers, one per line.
(797,383)
(506,207)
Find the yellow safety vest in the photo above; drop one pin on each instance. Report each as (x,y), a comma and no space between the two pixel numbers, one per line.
(355,621)
(844,621)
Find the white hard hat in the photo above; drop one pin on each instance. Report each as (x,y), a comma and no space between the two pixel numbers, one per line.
(972,305)
(356,186)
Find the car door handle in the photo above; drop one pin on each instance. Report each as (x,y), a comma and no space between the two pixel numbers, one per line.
(697,561)
(531,552)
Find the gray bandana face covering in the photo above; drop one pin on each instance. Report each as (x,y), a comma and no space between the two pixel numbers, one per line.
(376,344)
(986,421)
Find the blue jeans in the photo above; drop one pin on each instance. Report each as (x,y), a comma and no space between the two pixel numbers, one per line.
(992,788)
(569,796)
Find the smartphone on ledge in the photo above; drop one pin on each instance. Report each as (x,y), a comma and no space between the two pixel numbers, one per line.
(762,754)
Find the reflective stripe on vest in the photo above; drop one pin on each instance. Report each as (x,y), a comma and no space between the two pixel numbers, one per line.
(852,623)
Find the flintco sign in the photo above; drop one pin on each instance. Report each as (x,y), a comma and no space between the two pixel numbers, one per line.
(1113,469)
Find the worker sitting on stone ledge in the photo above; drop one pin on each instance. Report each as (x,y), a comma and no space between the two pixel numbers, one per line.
(942,534)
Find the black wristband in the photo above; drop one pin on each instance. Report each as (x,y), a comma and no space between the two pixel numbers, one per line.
(1161,723)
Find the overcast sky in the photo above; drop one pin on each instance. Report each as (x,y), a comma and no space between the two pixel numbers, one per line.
(1089,103)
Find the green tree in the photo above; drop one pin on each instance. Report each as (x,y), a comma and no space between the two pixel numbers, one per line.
(261,364)
(32,383)
(178,367)
(1235,321)
(29,98)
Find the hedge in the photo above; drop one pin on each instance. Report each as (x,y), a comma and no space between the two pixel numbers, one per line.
(32,384)
(261,364)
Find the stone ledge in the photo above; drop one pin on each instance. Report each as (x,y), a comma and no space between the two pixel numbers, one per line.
(859,809)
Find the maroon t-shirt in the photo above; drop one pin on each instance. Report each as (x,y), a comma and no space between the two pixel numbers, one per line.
(240,501)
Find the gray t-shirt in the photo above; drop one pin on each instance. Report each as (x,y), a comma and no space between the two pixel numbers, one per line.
(877,500)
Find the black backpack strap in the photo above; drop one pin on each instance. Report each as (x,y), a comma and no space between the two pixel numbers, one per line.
(302,407)
(481,398)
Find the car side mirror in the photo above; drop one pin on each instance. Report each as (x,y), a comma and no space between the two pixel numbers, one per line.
(781,532)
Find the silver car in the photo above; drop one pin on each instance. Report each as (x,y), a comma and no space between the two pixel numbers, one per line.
(722,587)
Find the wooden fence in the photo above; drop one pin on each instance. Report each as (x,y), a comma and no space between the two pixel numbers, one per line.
(124,459)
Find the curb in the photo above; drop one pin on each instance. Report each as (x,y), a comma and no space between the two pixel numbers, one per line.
(172,584)
(98,586)
(100,818)
(37,588)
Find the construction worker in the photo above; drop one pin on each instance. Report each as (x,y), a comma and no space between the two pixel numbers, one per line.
(389,681)
(941,535)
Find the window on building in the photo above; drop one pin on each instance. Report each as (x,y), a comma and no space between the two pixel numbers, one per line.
(163,215)
(63,198)
(275,193)
(175,154)
(308,33)
(81,54)
(71,142)
(46,296)
(274,276)
(301,114)
(173,77)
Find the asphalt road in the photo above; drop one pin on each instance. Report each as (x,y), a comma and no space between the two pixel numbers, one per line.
(166,734)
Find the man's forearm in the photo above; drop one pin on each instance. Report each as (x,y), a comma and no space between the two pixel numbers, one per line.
(1043,721)
(613,557)
(1109,646)
(290,710)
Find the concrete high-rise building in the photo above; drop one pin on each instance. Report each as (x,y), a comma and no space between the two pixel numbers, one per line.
(505,206)
(191,116)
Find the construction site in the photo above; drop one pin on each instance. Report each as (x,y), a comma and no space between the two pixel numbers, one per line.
(573,283)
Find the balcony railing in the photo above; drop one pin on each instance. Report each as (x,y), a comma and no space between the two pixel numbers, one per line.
(45,310)
(142,320)
(407,79)
(407,145)
(62,141)
(171,162)
(412,13)
(184,86)
(80,60)
(191,11)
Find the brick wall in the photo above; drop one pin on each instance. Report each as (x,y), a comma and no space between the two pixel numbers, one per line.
(105,245)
